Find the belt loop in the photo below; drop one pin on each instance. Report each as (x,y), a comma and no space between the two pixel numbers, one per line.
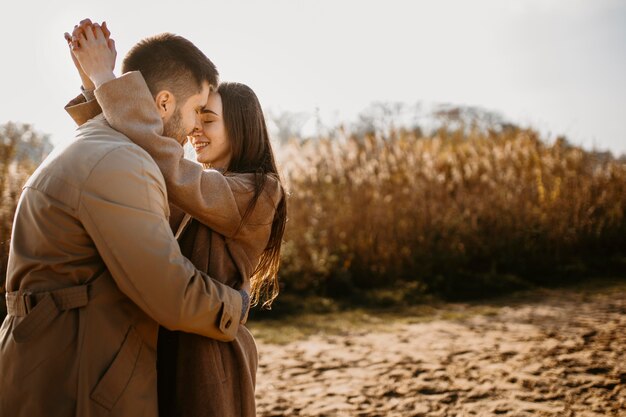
(27,302)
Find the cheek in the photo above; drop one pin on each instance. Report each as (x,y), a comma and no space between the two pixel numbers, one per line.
(223,138)
(208,130)
(189,117)
(191,120)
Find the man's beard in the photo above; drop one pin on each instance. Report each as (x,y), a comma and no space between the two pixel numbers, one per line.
(173,128)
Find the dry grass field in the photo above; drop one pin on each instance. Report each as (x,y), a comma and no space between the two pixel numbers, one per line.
(455,213)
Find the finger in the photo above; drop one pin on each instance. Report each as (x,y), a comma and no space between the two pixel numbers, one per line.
(79,33)
(111,45)
(97,32)
(88,33)
(77,29)
(87,30)
(75,44)
(105,30)
(68,37)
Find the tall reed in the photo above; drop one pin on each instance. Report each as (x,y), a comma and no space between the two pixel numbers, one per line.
(454,212)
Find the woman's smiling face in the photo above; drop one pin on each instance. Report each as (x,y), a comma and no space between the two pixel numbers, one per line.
(211,144)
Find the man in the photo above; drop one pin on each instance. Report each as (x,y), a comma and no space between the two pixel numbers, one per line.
(94,267)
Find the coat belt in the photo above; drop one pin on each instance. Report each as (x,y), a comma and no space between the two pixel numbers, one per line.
(20,303)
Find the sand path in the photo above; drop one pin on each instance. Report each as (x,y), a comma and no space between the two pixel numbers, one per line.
(561,354)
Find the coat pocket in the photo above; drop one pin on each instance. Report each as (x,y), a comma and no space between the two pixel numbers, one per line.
(37,320)
(114,381)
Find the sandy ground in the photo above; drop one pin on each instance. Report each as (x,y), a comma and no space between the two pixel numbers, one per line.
(563,353)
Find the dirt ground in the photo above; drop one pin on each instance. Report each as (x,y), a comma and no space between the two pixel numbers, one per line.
(550,353)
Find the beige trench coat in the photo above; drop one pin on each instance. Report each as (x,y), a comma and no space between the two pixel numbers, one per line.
(93,269)
(198,376)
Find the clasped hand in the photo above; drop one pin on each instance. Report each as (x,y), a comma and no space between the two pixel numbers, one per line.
(93,52)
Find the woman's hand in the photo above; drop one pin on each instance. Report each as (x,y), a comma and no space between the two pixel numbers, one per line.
(87,83)
(93,52)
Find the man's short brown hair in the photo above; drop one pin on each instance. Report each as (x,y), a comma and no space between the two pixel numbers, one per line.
(171,62)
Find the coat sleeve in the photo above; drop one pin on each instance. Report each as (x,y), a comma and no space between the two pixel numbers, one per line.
(82,110)
(123,207)
(207,195)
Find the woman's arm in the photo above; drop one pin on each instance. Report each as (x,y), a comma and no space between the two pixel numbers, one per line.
(214,199)
(209,196)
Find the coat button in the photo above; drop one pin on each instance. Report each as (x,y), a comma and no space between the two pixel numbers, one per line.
(228,323)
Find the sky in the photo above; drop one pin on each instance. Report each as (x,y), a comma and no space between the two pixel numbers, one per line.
(556,65)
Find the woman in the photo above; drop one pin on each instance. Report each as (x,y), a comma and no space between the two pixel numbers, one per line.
(233,138)
(200,376)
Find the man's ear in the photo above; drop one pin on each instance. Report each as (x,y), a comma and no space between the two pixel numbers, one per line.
(166,103)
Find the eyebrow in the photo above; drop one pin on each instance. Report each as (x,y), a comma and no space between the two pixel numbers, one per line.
(205,111)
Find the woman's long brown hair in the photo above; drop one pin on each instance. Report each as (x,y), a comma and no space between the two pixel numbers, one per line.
(252,153)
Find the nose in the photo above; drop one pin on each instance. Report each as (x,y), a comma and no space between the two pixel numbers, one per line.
(197,127)
(195,133)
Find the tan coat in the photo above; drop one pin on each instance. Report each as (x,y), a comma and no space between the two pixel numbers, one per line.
(197,376)
(93,269)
